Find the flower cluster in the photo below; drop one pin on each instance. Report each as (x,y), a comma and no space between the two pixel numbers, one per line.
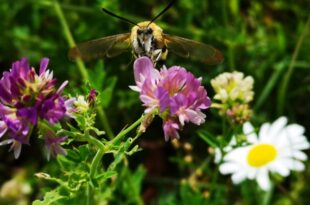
(233,92)
(25,98)
(276,149)
(174,94)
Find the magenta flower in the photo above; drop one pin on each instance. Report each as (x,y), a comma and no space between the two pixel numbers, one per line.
(175,94)
(91,98)
(25,98)
(53,146)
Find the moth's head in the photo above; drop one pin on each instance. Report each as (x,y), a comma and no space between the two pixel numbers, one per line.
(145,31)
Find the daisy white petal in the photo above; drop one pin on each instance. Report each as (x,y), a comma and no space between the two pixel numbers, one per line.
(295,129)
(280,168)
(300,155)
(249,131)
(277,126)
(263,179)
(263,132)
(239,176)
(228,168)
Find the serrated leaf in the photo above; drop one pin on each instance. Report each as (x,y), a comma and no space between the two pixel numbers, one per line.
(50,198)
(135,149)
(97,131)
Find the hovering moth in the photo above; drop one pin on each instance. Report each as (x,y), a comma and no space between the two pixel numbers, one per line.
(146,39)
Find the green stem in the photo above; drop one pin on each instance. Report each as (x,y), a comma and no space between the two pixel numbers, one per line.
(267,196)
(128,129)
(70,39)
(80,63)
(98,156)
(231,57)
(214,181)
(103,148)
(88,193)
(283,88)
(224,127)
(105,123)
(272,81)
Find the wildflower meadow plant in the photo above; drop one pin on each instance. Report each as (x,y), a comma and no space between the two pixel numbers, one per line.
(67,124)
(174,94)
(26,98)
(30,100)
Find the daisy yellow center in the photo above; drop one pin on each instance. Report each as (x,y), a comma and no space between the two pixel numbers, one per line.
(261,155)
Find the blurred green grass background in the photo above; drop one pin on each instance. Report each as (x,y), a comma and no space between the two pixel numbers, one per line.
(259,38)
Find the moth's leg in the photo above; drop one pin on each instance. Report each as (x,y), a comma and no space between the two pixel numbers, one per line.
(157,54)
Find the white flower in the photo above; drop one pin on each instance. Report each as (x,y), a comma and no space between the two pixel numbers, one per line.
(276,149)
(233,86)
(218,153)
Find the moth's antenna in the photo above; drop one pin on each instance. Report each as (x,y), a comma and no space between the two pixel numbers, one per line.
(163,11)
(119,17)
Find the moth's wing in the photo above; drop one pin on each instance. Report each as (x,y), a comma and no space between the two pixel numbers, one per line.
(192,49)
(109,46)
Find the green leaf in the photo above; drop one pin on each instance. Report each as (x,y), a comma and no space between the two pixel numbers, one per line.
(189,196)
(135,149)
(208,138)
(106,175)
(51,198)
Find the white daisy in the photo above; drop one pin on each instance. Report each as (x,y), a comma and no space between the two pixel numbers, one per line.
(277,149)
(218,153)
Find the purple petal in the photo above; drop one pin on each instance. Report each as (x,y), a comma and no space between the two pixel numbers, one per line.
(43,65)
(142,67)
(53,109)
(163,97)
(29,113)
(62,87)
(171,129)
(4,94)
(3,128)
(52,143)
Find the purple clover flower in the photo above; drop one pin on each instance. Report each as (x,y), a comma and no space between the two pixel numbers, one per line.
(25,98)
(175,94)
(53,146)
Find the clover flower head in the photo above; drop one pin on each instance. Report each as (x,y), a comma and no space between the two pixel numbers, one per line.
(26,97)
(233,87)
(174,94)
(233,93)
(239,113)
(276,149)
